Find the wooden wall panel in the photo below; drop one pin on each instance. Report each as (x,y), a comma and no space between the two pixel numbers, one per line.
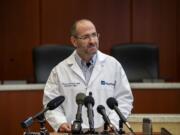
(178,39)
(112,19)
(156,101)
(155,21)
(168,55)
(17,106)
(26,24)
(20,32)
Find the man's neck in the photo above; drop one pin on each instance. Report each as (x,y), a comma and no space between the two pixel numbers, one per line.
(86,58)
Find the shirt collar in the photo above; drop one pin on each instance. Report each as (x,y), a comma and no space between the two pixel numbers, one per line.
(81,63)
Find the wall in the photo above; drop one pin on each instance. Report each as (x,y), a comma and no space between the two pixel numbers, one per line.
(178,38)
(19,34)
(155,21)
(21,104)
(26,24)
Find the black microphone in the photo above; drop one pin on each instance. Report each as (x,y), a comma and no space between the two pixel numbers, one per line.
(113,104)
(53,104)
(80,101)
(50,106)
(89,103)
(76,127)
(102,111)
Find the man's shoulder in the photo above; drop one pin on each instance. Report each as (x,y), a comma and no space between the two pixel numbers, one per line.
(66,61)
(106,57)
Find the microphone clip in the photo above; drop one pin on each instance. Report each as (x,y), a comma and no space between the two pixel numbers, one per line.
(76,127)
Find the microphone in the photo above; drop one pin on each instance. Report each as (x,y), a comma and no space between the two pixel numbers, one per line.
(101,110)
(113,104)
(89,103)
(80,101)
(53,104)
(76,127)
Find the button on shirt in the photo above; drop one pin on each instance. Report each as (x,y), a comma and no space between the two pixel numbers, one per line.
(86,68)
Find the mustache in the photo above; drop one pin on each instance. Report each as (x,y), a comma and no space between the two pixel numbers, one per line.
(92,45)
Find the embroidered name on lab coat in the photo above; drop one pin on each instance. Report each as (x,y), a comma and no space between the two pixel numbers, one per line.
(72,84)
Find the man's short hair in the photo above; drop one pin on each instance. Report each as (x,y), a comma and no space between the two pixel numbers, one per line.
(73,31)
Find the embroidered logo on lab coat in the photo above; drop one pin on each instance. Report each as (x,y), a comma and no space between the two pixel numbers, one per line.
(107,83)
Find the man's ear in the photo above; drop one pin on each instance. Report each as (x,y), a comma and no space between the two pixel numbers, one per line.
(73,41)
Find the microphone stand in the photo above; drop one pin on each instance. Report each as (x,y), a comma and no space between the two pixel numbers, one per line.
(127,125)
(27,132)
(121,127)
(42,121)
(91,131)
(113,129)
(105,132)
(76,127)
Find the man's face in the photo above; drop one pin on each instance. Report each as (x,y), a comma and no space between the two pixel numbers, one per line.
(86,40)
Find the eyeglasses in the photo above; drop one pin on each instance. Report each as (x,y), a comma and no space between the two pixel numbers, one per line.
(87,37)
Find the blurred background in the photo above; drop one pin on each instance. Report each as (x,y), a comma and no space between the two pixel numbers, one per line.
(25,24)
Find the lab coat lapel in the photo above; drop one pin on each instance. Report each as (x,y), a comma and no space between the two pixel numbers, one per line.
(76,69)
(74,66)
(96,71)
(98,67)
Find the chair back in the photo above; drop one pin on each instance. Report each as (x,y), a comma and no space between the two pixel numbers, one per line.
(139,60)
(45,57)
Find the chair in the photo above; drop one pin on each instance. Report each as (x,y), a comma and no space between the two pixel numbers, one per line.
(139,60)
(45,57)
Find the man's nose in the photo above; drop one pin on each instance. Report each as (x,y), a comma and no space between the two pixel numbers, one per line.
(91,41)
(91,38)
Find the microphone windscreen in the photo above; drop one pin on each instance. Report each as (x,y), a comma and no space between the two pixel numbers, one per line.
(55,102)
(100,108)
(80,98)
(111,102)
(88,100)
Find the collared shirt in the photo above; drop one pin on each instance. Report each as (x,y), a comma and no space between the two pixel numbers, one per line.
(86,68)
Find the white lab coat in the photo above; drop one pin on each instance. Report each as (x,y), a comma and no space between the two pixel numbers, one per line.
(108,79)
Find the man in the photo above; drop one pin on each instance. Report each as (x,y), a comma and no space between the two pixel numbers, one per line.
(86,70)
